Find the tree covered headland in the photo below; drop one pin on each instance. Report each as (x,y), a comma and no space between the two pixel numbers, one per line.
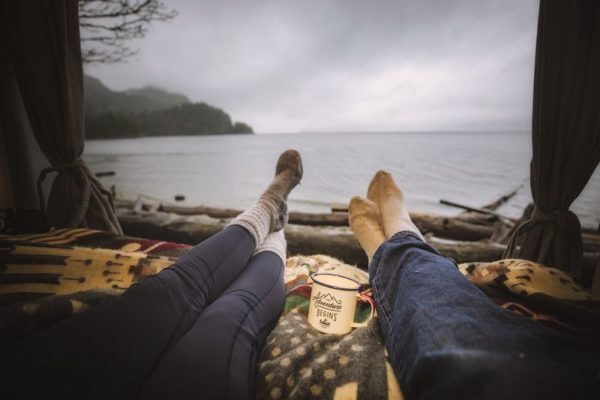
(107,28)
(150,112)
(186,119)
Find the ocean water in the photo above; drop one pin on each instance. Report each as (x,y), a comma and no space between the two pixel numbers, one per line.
(231,170)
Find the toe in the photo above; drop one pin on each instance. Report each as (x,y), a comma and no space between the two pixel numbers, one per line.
(356,202)
(372,191)
(359,206)
(290,160)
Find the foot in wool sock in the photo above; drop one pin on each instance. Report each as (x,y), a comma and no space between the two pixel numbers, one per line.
(364,218)
(274,242)
(384,192)
(288,174)
(269,213)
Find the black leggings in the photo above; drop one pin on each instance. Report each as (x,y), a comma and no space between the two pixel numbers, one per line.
(192,331)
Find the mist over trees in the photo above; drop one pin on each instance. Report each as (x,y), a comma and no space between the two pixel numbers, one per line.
(150,111)
(106,28)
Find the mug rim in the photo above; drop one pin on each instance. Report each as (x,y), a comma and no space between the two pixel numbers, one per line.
(358,284)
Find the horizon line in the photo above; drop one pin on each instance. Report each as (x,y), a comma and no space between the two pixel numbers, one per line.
(340,132)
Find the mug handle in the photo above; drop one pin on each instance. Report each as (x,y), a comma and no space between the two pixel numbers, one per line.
(370,301)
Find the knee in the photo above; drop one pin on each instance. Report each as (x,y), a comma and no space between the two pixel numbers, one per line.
(452,374)
(478,374)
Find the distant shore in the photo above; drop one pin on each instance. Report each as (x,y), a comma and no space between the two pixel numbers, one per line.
(149,112)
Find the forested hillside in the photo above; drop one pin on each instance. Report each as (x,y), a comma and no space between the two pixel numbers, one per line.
(150,111)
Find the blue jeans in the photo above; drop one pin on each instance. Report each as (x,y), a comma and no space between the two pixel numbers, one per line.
(448,340)
(193,331)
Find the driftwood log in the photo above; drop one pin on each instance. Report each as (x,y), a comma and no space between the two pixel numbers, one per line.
(302,239)
(450,227)
(471,209)
(441,226)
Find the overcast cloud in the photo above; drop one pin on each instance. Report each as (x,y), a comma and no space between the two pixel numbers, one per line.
(290,66)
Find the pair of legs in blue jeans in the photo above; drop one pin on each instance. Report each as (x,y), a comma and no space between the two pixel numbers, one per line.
(446,339)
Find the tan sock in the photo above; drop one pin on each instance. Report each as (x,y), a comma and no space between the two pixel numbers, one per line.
(364,220)
(387,195)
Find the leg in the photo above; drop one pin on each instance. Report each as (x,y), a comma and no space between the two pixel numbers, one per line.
(446,339)
(129,334)
(108,352)
(216,359)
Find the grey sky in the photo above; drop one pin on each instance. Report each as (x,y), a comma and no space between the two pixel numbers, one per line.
(289,66)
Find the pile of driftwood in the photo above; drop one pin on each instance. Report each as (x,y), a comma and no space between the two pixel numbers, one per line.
(334,240)
(476,234)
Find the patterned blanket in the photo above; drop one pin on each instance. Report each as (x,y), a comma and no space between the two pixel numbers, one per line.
(48,277)
(300,362)
(546,295)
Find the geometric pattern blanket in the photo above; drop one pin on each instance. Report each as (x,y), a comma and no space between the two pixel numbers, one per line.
(50,276)
(299,362)
(73,260)
(547,295)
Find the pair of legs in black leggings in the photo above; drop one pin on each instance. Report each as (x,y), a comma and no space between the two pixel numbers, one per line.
(191,331)
(216,356)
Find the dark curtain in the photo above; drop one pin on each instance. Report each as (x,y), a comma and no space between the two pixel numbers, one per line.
(41,39)
(566,130)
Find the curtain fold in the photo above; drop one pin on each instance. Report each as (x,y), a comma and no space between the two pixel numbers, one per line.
(43,48)
(565,131)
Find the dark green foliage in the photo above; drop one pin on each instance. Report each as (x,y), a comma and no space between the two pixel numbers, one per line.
(112,125)
(186,119)
(241,127)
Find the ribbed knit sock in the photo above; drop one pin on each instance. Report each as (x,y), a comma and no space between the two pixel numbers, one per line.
(275,242)
(257,219)
(269,213)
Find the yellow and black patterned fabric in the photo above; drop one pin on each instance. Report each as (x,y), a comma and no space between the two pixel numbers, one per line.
(71,260)
(547,295)
(49,276)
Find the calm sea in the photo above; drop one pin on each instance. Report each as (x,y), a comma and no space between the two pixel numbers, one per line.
(231,170)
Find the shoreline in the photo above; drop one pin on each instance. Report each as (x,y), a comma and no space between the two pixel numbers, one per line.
(466,237)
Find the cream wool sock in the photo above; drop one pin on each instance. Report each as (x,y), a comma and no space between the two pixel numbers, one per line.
(269,213)
(364,219)
(257,220)
(276,243)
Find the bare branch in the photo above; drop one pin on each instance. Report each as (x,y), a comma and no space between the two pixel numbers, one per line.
(106,26)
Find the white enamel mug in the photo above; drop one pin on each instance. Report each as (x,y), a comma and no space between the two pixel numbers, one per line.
(333,303)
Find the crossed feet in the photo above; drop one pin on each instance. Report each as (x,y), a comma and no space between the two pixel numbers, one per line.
(381,215)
